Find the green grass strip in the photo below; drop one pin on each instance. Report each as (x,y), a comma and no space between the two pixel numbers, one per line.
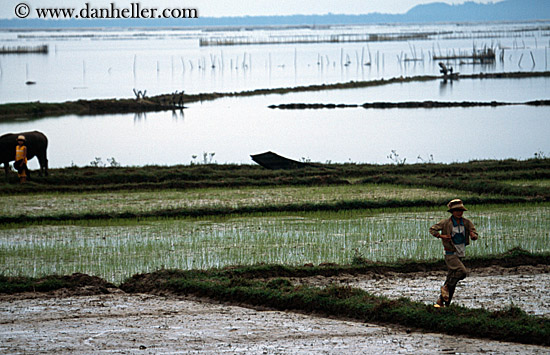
(480,177)
(346,302)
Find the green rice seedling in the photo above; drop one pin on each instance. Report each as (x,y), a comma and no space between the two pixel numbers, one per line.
(116,251)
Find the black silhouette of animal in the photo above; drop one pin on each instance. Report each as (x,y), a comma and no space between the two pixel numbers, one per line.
(36,143)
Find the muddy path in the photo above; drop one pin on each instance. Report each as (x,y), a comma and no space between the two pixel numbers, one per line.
(83,321)
(129,324)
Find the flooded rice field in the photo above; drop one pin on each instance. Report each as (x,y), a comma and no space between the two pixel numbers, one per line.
(136,323)
(116,252)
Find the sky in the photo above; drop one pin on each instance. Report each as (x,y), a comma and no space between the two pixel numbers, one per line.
(221,8)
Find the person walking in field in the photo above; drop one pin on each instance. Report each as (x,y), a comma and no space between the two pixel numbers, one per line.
(455,234)
(21,159)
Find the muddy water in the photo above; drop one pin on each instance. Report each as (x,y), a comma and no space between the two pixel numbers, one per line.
(120,323)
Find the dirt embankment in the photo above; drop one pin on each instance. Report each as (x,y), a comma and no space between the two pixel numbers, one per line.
(407,104)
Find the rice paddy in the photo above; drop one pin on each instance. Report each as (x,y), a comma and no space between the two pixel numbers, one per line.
(339,217)
(117,250)
(60,204)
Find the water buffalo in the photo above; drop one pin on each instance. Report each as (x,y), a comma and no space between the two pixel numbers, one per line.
(36,143)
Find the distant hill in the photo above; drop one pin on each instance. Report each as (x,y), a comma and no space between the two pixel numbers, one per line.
(508,10)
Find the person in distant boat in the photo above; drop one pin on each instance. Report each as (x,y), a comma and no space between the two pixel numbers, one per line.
(455,234)
(21,159)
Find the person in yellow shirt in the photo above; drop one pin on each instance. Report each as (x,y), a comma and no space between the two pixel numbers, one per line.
(21,159)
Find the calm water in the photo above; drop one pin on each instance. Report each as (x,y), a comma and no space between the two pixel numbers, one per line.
(235,128)
(96,64)
(110,63)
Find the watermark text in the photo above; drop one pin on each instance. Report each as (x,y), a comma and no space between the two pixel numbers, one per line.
(134,11)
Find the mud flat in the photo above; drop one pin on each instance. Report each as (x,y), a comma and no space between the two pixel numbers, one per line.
(60,322)
(119,323)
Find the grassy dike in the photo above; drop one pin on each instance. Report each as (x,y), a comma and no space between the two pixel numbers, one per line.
(268,286)
(484,176)
(12,111)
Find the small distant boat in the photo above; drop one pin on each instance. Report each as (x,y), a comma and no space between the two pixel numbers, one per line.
(29,82)
(274,161)
(448,73)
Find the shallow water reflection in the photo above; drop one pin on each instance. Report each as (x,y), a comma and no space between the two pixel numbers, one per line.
(233,129)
